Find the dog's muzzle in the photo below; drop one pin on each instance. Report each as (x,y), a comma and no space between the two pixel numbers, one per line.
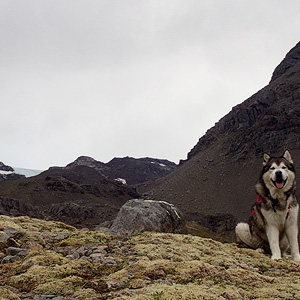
(279,182)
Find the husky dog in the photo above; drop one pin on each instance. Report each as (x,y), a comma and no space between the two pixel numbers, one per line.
(273,225)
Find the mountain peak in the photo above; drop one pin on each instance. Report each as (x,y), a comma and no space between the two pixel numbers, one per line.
(291,59)
(89,162)
(5,168)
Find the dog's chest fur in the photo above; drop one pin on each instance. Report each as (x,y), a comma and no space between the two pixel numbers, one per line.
(277,218)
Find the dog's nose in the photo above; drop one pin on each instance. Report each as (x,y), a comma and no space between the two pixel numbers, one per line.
(279,176)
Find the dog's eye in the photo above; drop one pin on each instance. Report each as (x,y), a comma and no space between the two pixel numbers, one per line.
(272,168)
(284,167)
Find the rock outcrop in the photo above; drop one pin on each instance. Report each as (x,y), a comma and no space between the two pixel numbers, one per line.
(139,215)
(15,207)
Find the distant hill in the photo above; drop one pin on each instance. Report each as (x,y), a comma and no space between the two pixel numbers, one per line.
(218,178)
(132,170)
(136,171)
(84,193)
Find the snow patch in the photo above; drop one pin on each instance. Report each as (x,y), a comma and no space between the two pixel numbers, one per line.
(160,164)
(121,180)
(5,172)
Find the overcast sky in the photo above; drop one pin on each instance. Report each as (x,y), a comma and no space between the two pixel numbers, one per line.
(114,78)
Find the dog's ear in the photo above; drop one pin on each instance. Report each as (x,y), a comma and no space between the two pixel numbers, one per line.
(266,158)
(287,156)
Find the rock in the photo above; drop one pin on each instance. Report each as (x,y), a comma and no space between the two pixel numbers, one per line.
(14,254)
(13,250)
(139,215)
(70,210)
(61,236)
(9,259)
(97,257)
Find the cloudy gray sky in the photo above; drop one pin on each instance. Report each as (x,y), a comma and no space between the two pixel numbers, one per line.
(108,78)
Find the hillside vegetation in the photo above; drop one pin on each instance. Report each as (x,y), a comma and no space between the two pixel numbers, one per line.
(61,260)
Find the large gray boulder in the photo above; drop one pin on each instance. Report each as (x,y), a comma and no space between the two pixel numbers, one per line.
(139,215)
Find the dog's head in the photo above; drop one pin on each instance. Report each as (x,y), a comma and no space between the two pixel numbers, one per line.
(279,172)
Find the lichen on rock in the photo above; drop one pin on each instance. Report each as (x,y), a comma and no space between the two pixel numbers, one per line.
(70,263)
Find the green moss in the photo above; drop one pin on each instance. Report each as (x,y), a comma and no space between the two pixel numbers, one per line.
(145,266)
(85,239)
(6,294)
(65,287)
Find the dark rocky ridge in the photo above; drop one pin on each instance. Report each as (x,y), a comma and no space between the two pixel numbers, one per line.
(266,122)
(222,169)
(133,170)
(136,171)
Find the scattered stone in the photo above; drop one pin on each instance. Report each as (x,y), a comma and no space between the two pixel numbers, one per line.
(13,250)
(109,262)
(84,229)
(97,257)
(10,230)
(9,259)
(61,236)
(33,246)
(14,254)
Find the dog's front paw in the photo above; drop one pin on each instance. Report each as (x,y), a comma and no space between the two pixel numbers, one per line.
(296,257)
(276,256)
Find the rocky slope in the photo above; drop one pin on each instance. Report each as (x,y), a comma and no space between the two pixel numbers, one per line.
(51,260)
(221,171)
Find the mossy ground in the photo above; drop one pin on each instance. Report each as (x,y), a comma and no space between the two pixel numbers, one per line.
(146,266)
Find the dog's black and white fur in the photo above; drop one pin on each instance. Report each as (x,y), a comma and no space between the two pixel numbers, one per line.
(273,225)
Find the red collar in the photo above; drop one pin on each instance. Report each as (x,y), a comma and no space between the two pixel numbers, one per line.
(261,199)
